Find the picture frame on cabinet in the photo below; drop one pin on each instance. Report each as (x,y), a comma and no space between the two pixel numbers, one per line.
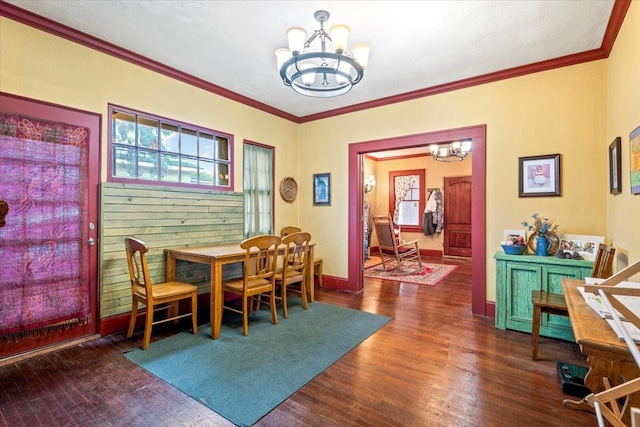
(615,165)
(539,176)
(634,159)
(586,246)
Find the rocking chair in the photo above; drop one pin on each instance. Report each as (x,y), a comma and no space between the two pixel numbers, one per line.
(390,246)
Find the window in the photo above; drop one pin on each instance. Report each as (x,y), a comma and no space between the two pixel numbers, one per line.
(149,149)
(407,198)
(258,189)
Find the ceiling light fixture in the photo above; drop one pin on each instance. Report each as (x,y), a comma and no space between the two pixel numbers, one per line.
(453,151)
(322,74)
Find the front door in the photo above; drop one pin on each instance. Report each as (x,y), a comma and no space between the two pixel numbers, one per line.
(457,216)
(48,244)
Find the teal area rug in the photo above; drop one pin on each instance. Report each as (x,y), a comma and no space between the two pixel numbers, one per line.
(244,378)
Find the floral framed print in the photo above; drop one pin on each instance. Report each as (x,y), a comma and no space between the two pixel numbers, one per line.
(539,176)
(615,164)
(634,156)
(322,189)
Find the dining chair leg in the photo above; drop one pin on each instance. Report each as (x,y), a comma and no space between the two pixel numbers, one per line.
(134,315)
(245,315)
(274,313)
(303,289)
(148,324)
(283,297)
(194,311)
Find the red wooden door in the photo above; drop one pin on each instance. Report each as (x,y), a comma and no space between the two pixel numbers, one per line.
(457,216)
(48,245)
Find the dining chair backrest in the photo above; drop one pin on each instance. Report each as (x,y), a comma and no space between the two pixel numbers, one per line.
(289,230)
(261,258)
(603,263)
(136,251)
(297,252)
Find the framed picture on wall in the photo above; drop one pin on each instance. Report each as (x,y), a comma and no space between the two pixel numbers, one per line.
(539,176)
(322,189)
(615,163)
(634,156)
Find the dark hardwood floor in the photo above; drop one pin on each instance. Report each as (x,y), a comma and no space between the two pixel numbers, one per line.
(434,364)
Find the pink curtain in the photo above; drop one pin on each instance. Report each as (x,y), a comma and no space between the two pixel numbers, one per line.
(44,256)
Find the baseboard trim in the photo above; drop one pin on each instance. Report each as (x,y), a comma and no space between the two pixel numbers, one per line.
(45,350)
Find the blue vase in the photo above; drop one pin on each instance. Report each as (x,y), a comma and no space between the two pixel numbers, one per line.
(542,246)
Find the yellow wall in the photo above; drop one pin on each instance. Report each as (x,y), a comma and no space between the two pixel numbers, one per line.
(557,111)
(38,65)
(623,116)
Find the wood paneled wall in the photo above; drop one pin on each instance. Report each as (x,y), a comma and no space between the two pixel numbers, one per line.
(163,217)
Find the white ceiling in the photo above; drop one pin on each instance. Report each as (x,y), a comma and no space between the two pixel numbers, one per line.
(415,44)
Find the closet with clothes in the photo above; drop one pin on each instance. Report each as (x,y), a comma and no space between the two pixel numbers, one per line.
(433,216)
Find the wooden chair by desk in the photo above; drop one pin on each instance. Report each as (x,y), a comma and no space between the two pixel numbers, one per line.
(552,303)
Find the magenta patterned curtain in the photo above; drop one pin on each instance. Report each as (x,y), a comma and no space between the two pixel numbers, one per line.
(44,256)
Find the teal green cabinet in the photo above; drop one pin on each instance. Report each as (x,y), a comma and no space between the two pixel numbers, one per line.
(518,275)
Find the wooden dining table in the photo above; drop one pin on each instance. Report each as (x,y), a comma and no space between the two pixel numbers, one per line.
(216,256)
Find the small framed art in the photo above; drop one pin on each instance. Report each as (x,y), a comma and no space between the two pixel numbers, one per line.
(615,163)
(539,176)
(634,156)
(321,189)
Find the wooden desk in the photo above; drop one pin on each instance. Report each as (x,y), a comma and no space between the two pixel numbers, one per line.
(607,355)
(217,256)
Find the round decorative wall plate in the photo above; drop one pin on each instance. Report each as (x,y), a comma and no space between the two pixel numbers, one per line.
(288,189)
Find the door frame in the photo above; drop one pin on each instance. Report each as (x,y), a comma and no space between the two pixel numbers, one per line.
(477,134)
(92,121)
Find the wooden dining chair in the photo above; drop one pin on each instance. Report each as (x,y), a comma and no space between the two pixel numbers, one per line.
(261,254)
(289,230)
(317,262)
(390,246)
(293,274)
(155,297)
(553,303)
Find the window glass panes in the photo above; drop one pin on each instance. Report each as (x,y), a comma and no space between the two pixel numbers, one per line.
(408,213)
(188,170)
(147,133)
(170,167)
(124,162)
(206,145)
(150,148)
(206,172)
(222,174)
(189,142)
(170,138)
(148,164)
(222,148)
(124,128)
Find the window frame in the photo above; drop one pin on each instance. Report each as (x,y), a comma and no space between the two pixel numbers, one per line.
(273,181)
(422,202)
(179,126)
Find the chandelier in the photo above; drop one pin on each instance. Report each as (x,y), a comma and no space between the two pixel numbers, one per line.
(322,74)
(453,151)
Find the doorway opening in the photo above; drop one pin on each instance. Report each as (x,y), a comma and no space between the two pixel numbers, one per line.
(477,134)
